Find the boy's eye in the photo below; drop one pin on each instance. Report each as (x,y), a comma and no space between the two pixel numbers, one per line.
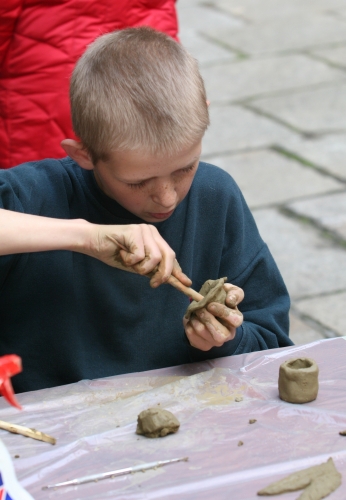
(187,169)
(137,186)
(140,185)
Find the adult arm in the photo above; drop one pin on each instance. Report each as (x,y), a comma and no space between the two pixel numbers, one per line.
(138,246)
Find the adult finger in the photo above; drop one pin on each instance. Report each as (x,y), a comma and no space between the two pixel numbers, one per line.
(155,249)
(167,258)
(178,273)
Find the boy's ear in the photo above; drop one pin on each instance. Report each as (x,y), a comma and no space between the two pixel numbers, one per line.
(75,150)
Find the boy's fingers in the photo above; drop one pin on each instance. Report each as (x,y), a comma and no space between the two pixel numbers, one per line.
(199,337)
(218,331)
(235,295)
(229,317)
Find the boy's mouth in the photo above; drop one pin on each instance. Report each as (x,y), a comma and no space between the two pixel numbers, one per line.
(161,216)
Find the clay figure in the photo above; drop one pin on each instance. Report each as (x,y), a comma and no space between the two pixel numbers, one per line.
(156,422)
(212,291)
(298,380)
(319,481)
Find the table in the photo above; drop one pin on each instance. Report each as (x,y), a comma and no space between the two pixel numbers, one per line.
(94,422)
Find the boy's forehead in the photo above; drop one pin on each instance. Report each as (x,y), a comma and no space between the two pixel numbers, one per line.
(138,162)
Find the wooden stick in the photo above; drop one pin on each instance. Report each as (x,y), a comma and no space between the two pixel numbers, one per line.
(171,280)
(26,431)
(184,289)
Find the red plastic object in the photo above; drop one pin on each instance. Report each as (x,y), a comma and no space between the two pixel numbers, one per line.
(10,365)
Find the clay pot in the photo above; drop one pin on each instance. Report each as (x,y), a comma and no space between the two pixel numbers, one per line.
(298,380)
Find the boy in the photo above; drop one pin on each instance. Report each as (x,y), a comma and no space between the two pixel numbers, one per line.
(132,190)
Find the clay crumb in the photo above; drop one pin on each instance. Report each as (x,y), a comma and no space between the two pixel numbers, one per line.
(252,420)
(342,433)
(240,443)
(238,399)
(17,456)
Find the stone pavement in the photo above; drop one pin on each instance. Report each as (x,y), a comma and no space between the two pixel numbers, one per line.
(275,73)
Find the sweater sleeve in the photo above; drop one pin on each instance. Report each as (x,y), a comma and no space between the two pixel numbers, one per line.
(248,264)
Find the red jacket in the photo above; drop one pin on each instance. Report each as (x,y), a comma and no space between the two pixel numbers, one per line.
(40,42)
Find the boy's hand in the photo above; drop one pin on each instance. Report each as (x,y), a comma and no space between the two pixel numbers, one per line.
(139,247)
(217,323)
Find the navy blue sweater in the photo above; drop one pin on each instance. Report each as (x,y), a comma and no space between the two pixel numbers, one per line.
(71,317)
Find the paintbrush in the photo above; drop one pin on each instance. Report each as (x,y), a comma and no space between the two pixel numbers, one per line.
(114,473)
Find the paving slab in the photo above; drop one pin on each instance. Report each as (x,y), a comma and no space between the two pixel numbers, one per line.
(338,12)
(201,17)
(204,51)
(310,263)
(266,177)
(327,152)
(302,333)
(273,9)
(328,211)
(312,110)
(233,128)
(335,55)
(231,81)
(293,33)
(329,310)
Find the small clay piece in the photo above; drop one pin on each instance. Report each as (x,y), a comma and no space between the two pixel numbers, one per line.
(238,399)
(342,433)
(212,291)
(298,380)
(240,443)
(252,421)
(318,481)
(156,422)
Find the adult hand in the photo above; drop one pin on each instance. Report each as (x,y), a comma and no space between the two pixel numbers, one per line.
(217,323)
(138,248)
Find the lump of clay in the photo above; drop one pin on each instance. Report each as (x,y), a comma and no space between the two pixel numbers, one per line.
(298,380)
(213,291)
(156,422)
(318,481)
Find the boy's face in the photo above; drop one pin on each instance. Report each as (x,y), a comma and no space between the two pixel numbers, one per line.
(148,186)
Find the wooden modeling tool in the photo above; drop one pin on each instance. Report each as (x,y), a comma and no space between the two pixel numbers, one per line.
(171,280)
(27,432)
(114,473)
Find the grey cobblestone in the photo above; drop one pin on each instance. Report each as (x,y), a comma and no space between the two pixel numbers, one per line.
(231,81)
(283,34)
(327,211)
(267,178)
(326,152)
(234,128)
(318,111)
(275,74)
(336,55)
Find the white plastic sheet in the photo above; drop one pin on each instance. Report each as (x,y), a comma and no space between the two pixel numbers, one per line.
(95,421)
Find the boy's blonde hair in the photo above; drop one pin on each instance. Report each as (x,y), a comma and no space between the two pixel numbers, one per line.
(137,89)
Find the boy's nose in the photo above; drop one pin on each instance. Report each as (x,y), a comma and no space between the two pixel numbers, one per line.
(165,195)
